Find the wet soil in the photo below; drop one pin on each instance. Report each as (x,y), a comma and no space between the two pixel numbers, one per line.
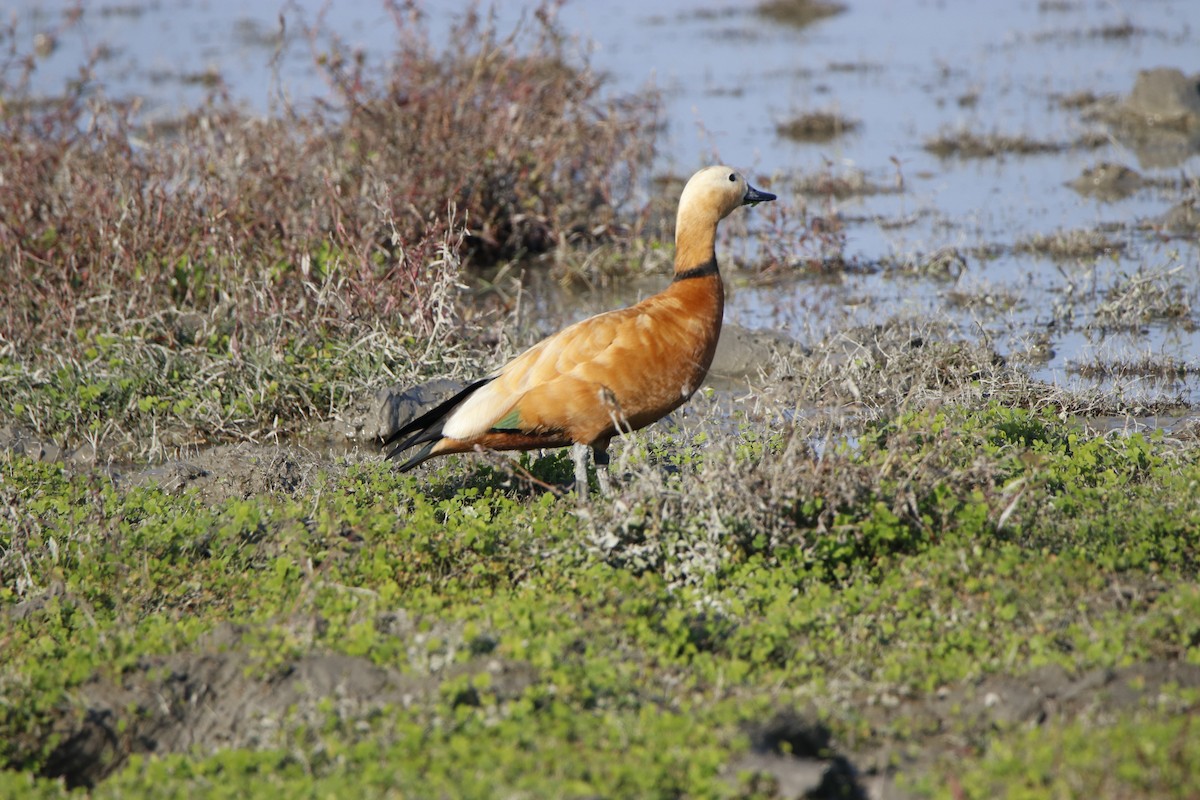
(817,126)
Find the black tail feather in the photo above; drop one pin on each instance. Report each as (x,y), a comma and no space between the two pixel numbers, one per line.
(420,457)
(427,427)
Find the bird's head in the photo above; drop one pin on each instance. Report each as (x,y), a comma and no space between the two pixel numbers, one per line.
(715,191)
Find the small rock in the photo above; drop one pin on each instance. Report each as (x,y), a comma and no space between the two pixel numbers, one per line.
(794,752)
(395,406)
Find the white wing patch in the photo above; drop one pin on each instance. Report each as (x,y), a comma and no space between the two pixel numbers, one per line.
(487,406)
(477,413)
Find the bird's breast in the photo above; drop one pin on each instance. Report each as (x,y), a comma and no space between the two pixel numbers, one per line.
(676,335)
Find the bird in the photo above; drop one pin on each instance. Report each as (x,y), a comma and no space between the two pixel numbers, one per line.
(607,375)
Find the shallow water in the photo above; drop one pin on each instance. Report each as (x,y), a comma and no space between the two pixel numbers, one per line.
(905,70)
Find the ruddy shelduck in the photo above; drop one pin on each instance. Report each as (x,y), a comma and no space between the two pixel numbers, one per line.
(610,374)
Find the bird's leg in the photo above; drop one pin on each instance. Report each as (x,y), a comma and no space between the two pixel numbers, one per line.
(579,454)
(600,452)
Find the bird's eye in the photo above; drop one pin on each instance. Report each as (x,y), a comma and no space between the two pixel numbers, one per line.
(733,177)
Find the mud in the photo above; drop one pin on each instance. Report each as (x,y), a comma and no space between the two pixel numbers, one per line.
(964,715)
(216,474)
(235,471)
(967,144)
(1160,117)
(798,13)
(1182,220)
(1157,118)
(955,718)
(23,442)
(219,695)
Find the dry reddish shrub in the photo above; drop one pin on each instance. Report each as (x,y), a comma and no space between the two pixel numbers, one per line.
(490,147)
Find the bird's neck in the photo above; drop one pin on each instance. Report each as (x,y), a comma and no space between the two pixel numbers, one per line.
(695,243)
(697,282)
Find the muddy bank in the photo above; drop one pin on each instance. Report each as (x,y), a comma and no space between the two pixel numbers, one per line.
(222,696)
(756,376)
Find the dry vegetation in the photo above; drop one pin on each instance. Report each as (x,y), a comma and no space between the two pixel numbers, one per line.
(1148,295)
(232,277)
(816,126)
(967,144)
(799,12)
(490,147)
(1069,245)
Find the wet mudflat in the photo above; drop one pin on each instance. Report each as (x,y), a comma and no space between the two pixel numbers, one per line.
(1026,179)
(929,531)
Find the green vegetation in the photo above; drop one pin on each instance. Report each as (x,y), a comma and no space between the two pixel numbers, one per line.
(1127,757)
(512,635)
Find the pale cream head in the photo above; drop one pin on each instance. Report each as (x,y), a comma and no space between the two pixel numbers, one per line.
(711,194)
(715,191)
(708,198)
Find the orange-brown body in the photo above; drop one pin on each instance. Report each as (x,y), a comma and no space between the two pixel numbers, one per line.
(612,373)
(623,369)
